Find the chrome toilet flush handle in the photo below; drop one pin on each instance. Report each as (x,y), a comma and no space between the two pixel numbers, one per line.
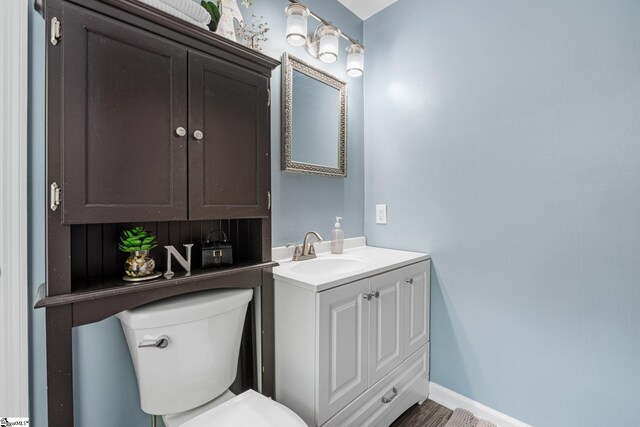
(161,342)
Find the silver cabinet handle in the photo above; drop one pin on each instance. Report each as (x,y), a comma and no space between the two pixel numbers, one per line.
(410,281)
(160,342)
(368,297)
(393,396)
(180,131)
(198,135)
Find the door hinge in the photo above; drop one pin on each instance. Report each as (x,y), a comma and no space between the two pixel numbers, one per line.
(56,31)
(55,194)
(268,97)
(268,200)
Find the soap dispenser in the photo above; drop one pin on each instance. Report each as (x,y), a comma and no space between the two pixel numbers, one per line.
(337,237)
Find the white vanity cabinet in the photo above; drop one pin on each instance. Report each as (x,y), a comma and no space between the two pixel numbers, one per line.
(356,353)
(342,352)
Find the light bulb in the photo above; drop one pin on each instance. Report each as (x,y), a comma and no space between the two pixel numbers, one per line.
(355,60)
(329,43)
(297,24)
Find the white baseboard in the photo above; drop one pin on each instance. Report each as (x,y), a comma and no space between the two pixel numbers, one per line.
(453,400)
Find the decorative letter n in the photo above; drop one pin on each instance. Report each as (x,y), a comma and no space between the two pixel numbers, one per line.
(185,263)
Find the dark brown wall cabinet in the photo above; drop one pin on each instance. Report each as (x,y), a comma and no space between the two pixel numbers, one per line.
(153,129)
(229,167)
(151,121)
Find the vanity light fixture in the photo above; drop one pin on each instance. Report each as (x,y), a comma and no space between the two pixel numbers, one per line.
(324,42)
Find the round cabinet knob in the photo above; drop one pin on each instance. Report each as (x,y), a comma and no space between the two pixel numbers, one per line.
(198,135)
(410,281)
(180,131)
(377,294)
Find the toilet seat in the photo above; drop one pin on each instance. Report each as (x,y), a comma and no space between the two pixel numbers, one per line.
(247,409)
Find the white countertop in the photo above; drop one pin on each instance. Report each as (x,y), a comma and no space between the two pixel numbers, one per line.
(375,261)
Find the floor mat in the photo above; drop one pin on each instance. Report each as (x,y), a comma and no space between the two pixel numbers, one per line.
(464,418)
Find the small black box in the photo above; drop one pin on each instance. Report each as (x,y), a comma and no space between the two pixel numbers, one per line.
(217,253)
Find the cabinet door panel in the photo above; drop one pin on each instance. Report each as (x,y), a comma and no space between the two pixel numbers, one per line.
(386,325)
(417,296)
(343,334)
(229,166)
(124,94)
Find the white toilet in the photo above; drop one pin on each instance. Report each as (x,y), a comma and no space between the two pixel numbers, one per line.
(185,354)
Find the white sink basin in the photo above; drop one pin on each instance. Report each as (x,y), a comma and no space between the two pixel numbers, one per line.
(329,266)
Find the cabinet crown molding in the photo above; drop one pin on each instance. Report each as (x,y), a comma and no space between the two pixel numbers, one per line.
(163,24)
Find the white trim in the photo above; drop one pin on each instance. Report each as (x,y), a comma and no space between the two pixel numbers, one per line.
(14,333)
(453,400)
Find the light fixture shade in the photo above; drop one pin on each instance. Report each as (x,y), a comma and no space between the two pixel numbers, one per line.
(355,60)
(329,43)
(297,15)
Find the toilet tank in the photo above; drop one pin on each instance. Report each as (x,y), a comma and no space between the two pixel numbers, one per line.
(203,332)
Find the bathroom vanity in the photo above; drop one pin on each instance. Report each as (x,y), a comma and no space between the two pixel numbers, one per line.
(352,334)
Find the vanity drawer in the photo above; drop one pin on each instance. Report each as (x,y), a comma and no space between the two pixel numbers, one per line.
(410,381)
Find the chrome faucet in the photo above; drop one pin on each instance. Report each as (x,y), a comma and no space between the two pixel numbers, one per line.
(306,249)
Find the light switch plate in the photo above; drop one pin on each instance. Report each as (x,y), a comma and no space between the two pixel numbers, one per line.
(381,214)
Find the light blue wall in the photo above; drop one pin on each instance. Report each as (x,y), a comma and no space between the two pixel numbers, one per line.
(36,224)
(504,135)
(105,389)
(303,202)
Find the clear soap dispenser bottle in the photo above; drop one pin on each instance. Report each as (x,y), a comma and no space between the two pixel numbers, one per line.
(337,237)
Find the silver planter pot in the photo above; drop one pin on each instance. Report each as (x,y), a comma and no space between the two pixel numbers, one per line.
(139,264)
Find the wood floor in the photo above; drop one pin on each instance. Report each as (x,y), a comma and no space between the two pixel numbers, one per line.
(429,414)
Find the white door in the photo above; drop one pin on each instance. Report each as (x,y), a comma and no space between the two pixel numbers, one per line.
(343,333)
(386,324)
(417,290)
(14,300)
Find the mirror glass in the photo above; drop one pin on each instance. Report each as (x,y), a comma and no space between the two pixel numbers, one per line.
(315,131)
(314,115)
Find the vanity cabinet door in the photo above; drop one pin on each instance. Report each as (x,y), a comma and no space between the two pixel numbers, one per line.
(229,165)
(417,290)
(342,346)
(124,95)
(386,349)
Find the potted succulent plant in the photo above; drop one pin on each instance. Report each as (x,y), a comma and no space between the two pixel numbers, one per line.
(138,242)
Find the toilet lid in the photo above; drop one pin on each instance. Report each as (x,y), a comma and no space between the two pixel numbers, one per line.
(247,409)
